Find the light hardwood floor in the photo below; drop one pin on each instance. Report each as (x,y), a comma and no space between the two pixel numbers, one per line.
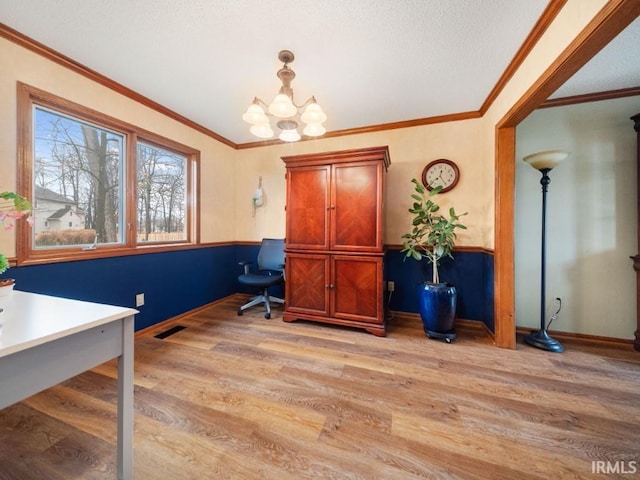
(247,398)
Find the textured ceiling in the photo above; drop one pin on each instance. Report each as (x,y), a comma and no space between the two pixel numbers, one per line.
(616,66)
(368,62)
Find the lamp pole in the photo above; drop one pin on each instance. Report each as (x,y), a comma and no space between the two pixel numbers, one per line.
(541,338)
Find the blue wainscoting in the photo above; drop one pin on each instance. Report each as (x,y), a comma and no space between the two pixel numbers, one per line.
(179,281)
(172,282)
(470,272)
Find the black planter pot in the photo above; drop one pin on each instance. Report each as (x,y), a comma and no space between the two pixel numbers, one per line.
(437,302)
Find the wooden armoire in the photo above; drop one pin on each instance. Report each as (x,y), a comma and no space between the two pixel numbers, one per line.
(333,241)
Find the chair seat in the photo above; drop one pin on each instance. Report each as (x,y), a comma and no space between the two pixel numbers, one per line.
(257,280)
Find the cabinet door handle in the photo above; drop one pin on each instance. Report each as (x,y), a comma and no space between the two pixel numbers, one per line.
(331,285)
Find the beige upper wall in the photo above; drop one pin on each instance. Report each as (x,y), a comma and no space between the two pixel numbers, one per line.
(218,166)
(410,149)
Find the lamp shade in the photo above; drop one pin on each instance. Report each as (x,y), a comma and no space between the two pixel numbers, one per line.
(255,115)
(313,114)
(282,106)
(289,136)
(262,130)
(314,130)
(546,160)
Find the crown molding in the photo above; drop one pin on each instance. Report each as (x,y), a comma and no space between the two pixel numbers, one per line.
(592,97)
(541,26)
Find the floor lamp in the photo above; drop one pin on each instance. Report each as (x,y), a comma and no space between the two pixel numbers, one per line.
(544,162)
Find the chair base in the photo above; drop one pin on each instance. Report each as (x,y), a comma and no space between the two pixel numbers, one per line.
(263,298)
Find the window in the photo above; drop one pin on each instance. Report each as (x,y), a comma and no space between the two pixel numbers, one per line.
(161,194)
(79,165)
(99,186)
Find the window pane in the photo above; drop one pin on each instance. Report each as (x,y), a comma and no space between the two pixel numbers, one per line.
(78,172)
(162,199)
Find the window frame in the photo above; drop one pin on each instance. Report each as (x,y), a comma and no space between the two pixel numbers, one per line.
(27,98)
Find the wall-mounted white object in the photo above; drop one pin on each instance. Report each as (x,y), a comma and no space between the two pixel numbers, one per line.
(258,196)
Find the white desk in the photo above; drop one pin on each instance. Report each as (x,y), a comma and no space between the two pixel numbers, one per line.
(45,340)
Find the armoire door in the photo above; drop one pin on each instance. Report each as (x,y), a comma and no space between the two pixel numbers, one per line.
(308,209)
(356,292)
(307,284)
(356,211)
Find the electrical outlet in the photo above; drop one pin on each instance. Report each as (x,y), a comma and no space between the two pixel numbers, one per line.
(391,285)
(139,299)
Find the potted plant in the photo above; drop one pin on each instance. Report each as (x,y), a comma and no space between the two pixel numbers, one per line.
(12,207)
(433,237)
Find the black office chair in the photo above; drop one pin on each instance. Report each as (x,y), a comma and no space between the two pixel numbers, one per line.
(270,272)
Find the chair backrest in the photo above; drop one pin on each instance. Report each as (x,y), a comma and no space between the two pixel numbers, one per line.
(271,254)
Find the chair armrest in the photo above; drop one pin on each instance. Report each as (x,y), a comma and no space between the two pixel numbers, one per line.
(246,266)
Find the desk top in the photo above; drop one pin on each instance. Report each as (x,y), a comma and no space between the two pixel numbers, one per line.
(31,319)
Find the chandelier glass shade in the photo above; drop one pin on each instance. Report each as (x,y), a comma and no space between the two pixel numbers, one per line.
(287,116)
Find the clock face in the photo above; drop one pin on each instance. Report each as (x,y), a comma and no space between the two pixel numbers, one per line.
(442,173)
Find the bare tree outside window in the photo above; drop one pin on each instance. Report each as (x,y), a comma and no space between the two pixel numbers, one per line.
(161,194)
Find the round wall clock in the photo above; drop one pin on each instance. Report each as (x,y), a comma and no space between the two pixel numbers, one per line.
(441,172)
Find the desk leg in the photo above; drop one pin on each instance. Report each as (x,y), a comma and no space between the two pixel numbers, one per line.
(125,403)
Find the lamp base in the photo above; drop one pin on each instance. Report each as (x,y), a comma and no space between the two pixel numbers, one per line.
(541,339)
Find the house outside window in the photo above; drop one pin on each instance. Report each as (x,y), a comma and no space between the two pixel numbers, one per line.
(51,213)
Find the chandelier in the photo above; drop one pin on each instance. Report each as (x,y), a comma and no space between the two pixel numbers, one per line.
(284,110)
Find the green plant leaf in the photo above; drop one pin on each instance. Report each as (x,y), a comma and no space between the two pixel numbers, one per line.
(20,203)
(432,234)
(4,263)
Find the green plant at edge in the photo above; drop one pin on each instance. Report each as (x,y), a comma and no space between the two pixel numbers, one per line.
(433,234)
(4,263)
(19,207)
